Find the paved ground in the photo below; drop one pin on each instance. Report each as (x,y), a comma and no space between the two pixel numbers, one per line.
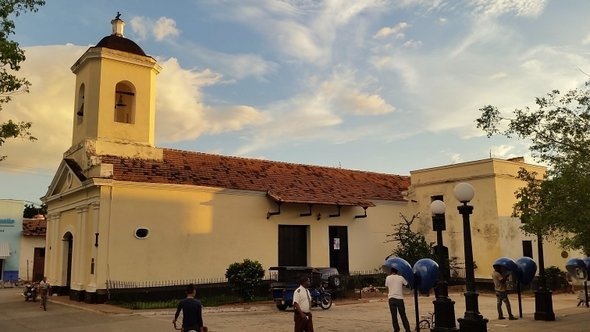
(368,314)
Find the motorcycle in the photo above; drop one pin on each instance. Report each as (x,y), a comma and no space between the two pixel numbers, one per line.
(30,292)
(320,298)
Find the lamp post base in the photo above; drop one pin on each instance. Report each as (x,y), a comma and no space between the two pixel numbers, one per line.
(473,325)
(444,315)
(544,305)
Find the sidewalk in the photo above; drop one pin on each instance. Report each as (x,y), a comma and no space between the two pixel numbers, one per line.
(568,316)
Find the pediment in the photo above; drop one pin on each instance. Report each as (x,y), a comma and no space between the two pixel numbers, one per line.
(67,178)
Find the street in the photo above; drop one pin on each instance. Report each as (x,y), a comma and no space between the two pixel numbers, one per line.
(348,315)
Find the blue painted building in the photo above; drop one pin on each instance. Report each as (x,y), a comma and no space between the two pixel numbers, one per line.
(11,225)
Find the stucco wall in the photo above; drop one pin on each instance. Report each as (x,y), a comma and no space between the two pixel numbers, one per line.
(494,232)
(27,255)
(11,225)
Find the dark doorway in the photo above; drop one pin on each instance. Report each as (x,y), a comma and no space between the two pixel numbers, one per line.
(339,248)
(527,248)
(292,245)
(38,264)
(69,244)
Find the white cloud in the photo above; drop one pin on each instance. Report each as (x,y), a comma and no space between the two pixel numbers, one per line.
(499,7)
(159,29)
(412,44)
(181,111)
(182,114)
(140,26)
(164,28)
(397,31)
(234,66)
(317,114)
(49,106)
(303,30)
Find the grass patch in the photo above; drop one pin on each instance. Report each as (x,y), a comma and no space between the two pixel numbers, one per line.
(211,301)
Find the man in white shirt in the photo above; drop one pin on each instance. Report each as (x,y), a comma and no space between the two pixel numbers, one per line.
(302,304)
(395,284)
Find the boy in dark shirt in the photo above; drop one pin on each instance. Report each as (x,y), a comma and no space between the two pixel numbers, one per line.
(192,317)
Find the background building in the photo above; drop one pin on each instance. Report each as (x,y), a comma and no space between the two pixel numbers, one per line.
(32,248)
(11,222)
(495,233)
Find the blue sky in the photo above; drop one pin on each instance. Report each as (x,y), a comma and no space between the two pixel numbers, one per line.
(378,85)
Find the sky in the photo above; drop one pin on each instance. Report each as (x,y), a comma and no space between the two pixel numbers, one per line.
(385,86)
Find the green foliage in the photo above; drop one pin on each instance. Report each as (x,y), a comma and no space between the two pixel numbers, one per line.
(559,132)
(411,246)
(244,277)
(31,210)
(554,278)
(11,55)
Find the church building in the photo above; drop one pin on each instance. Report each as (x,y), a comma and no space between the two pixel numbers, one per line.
(122,210)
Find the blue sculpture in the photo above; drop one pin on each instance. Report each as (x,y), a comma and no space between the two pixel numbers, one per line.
(526,270)
(402,266)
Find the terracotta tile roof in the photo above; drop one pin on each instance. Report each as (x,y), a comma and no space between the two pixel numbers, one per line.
(34,227)
(283,182)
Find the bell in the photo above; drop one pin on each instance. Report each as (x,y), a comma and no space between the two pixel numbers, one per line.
(120,102)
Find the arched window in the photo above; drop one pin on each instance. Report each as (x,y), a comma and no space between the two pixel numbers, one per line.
(124,102)
(80,106)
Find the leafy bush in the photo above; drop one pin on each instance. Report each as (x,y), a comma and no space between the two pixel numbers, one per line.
(554,278)
(244,277)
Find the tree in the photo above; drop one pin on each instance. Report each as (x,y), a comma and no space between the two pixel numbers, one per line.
(31,210)
(559,132)
(411,246)
(11,55)
(245,277)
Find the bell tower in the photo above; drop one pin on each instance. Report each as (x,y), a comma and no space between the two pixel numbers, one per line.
(114,108)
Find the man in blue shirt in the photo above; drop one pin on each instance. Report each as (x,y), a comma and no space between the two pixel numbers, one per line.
(192,312)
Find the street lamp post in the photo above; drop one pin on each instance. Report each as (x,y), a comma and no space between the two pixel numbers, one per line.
(444,310)
(543,299)
(473,320)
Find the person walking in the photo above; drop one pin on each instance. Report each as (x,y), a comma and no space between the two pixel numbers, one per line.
(44,289)
(395,284)
(302,305)
(192,312)
(501,292)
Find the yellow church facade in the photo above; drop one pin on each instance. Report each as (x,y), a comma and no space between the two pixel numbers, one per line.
(122,210)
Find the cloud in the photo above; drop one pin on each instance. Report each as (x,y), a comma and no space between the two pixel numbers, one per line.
(302,30)
(49,106)
(531,8)
(182,113)
(397,31)
(318,115)
(159,29)
(164,28)
(140,26)
(234,66)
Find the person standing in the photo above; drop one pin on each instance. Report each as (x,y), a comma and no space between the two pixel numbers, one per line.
(501,292)
(395,284)
(192,312)
(302,305)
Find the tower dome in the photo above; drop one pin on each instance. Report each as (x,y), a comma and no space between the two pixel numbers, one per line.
(116,41)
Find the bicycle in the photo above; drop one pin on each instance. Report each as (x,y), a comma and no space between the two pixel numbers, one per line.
(179,328)
(427,322)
